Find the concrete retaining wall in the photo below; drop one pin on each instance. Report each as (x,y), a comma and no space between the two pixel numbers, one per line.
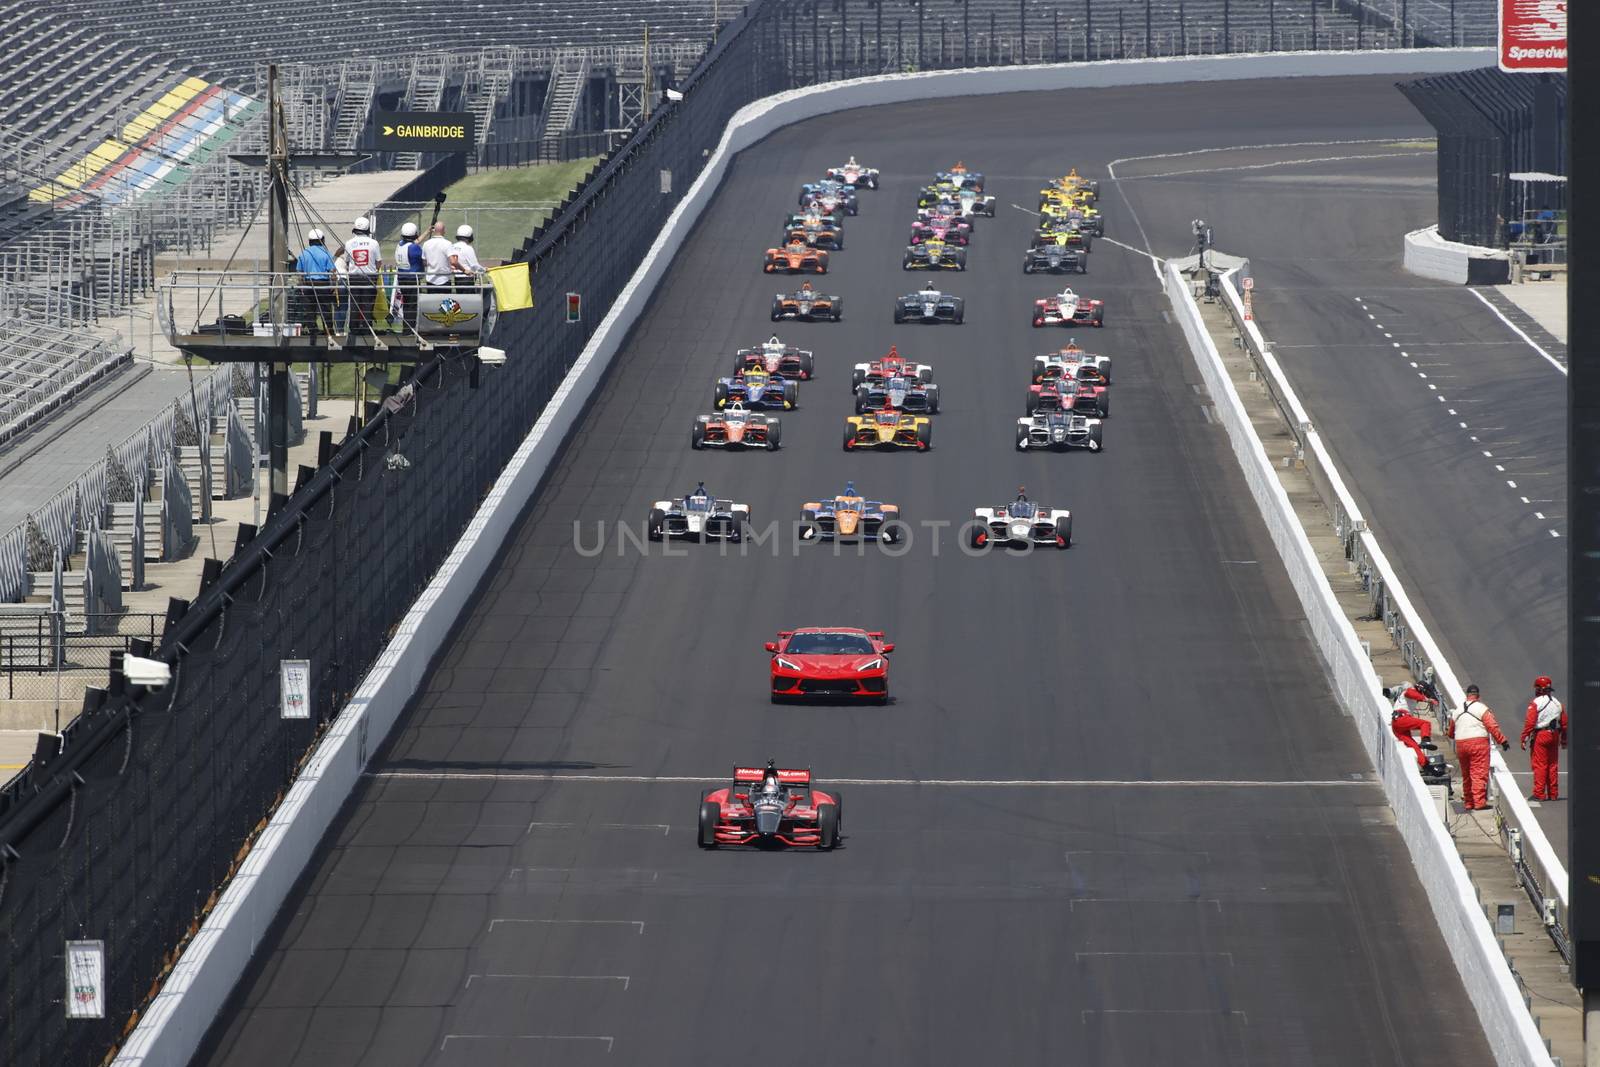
(213,962)
(1428,254)
(1488,979)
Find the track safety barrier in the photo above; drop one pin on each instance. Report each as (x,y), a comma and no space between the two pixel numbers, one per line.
(171,1030)
(1493,989)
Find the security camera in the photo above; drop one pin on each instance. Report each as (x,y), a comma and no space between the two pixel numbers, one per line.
(492,357)
(673,94)
(151,673)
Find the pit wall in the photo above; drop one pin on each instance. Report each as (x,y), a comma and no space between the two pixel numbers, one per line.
(1484,971)
(170,1031)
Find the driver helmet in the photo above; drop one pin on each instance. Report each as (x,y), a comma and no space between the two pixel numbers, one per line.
(929,288)
(852,162)
(700,490)
(850,488)
(805,287)
(1022,494)
(769,781)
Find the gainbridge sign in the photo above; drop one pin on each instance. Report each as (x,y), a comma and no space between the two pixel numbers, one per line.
(423,131)
(1533,35)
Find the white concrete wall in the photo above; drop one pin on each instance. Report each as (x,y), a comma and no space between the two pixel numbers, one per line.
(170,1031)
(1483,967)
(1431,256)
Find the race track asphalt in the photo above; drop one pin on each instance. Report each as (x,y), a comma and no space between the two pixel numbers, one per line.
(473,908)
(1449,427)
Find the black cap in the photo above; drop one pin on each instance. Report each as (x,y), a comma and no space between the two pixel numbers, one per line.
(1472,690)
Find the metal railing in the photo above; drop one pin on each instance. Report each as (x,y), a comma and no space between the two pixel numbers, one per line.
(220,309)
(1539,870)
(81,506)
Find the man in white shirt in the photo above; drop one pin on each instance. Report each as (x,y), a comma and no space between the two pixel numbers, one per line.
(365,258)
(463,259)
(436,257)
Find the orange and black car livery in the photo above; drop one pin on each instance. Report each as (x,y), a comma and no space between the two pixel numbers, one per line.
(850,517)
(796,257)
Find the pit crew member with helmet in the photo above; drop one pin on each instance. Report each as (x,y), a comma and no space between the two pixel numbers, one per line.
(1471,726)
(1546,726)
(1403,719)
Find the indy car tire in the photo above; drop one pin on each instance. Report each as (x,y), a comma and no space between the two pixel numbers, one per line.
(960,315)
(774,435)
(1105,405)
(828,827)
(710,815)
(791,392)
(933,399)
(838,243)
(837,311)
(925,435)
(905,262)
(1027,266)
(777,311)
(1097,435)
(1083,265)
(1022,439)
(925,375)
(719,395)
(857,376)
(1027,404)
(657,520)
(862,393)
(808,365)
(849,436)
(978,536)
(1064,534)
(697,436)
(899,314)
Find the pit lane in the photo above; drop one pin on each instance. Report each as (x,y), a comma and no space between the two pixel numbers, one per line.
(457,918)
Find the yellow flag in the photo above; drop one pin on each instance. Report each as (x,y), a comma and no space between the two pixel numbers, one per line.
(513,286)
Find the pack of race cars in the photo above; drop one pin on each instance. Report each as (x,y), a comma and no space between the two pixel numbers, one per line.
(895,402)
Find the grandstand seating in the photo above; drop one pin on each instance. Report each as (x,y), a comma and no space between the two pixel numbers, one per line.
(39,363)
(230,41)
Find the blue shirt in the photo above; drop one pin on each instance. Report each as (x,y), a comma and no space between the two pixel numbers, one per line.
(409,261)
(315,263)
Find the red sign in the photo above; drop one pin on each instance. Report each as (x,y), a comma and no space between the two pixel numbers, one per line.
(1533,35)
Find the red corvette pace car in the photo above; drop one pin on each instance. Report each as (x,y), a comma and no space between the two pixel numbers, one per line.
(768,808)
(830,662)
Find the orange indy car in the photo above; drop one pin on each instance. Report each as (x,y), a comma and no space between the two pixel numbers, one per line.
(807,305)
(796,257)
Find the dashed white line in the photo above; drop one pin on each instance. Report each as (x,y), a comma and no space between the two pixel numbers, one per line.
(1511,483)
(1537,514)
(1554,534)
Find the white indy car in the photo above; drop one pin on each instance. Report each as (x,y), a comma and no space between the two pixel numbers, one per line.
(854,174)
(1065,363)
(1059,431)
(1021,522)
(698,516)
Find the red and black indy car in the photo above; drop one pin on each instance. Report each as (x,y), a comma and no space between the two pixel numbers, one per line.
(770,808)
(830,663)
(1068,308)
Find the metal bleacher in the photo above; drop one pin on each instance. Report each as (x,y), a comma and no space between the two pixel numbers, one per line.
(230,40)
(43,367)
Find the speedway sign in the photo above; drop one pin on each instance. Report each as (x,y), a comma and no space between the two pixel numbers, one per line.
(1533,35)
(424,131)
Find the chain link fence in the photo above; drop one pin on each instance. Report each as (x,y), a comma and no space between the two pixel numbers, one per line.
(129,832)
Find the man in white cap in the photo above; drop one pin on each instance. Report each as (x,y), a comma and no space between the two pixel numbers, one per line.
(463,258)
(315,266)
(364,258)
(408,262)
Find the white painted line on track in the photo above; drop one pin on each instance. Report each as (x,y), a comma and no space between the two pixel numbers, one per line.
(570,922)
(610,1041)
(1553,361)
(1083,1016)
(960,783)
(555,977)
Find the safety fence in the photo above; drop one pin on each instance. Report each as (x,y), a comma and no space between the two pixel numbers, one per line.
(127,832)
(1539,869)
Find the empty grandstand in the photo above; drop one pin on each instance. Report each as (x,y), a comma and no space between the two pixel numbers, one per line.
(43,368)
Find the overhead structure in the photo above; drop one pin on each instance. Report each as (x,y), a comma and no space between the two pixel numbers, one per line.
(279,317)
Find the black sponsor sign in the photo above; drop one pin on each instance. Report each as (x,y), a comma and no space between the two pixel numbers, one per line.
(424,131)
